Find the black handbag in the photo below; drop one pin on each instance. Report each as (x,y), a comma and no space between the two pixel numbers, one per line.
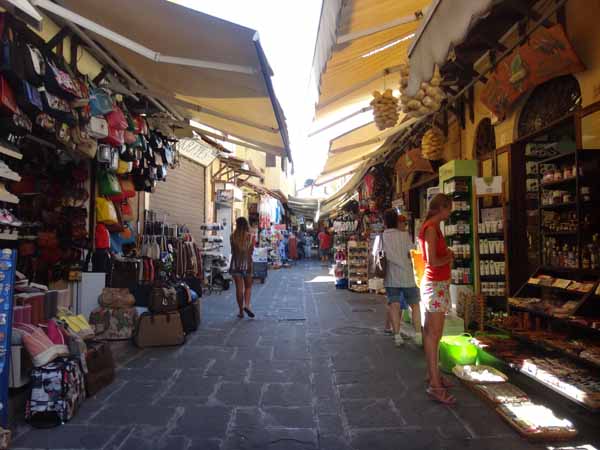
(12,50)
(124,274)
(34,65)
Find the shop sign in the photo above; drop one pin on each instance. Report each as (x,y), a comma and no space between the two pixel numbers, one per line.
(546,54)
(488,185)
(225,195)
(412,161)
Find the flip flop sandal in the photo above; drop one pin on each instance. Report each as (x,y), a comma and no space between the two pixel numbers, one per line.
(446,383)
(250,313)
(241,315)
(441,395)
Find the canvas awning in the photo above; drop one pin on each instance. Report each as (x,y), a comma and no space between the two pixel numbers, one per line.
(360,45)
(445,25)
(206,69)
(306,207)
(350,150)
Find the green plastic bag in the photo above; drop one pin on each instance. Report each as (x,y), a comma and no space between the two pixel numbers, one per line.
(456,350)
(108,184)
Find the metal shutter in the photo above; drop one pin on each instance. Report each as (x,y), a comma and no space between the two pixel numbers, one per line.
(182,196)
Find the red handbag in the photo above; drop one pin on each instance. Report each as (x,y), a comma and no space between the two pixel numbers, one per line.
(7,97)
(127,187)
(126,211)
(115,137)
(102,237)
(116,119)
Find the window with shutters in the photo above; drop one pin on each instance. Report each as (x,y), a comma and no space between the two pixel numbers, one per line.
(271,160)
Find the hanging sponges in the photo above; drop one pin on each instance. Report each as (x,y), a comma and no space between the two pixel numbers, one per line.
(432,144)
(385,109)
(428,98)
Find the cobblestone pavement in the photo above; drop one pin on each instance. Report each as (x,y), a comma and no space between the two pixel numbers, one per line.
(312,371)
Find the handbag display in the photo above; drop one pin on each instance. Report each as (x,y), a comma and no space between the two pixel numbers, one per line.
(104,154)
(127,211)
(98,127)
(101,367)
(114,160)
(30,99)
(127,187)
(100,102)
(106,212)
(11,50)
(58,108)
(190,317)
(125,274)
(116,298)
(124,167)
(108,184)
(35,65)
(114,324)
(46,122)
(60,83)
(115,137)
(158,330)
(163,299)
(7,96)
(57,392)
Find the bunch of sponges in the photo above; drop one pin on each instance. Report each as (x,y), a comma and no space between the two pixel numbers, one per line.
(432,144)
(385,109)
(428,98)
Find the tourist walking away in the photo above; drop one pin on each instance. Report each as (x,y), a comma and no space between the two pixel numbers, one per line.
(399,281)
(324,245)
(242,246)
(435,292)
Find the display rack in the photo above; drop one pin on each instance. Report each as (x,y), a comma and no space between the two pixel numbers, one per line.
(358,266)
(569,211)
(213,260)
(491,246)
(556,316)
(458,229)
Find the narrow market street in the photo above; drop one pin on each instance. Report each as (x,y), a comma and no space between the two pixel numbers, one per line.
(313,370)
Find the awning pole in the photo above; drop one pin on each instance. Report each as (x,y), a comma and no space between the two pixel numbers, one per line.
(343,119)
(134,46)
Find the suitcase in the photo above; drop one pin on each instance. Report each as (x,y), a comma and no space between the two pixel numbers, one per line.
(190,317)
(57,391)
(113,324)
(158,330)
(100,365)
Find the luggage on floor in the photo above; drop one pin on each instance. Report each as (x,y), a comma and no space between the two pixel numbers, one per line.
(113,324)
(159,329)
(117,298)
(163,299)
(100,366)
(190,317)
(57,391)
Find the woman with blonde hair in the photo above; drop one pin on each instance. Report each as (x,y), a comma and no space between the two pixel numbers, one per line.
(435,291)
(242,246)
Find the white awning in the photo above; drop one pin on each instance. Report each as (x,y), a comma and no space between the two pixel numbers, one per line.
(445,25)
(359,48)
(208,70)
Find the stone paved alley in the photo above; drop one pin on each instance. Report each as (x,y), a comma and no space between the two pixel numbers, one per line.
(312,371)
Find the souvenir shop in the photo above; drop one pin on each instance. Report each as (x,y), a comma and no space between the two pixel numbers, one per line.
(83,261)
(355,230)
(524,223)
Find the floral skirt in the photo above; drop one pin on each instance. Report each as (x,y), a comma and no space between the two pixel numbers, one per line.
(435,296)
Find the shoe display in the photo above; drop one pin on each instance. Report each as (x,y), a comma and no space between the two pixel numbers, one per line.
(6,196)
(7,173)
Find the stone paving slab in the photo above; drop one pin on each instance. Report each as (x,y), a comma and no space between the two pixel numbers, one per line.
(332,381)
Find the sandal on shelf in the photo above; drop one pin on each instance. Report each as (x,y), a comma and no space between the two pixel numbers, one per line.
(441,395)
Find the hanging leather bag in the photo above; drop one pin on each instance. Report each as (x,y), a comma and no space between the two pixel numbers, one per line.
(98,127)
(108,184)
(100,102)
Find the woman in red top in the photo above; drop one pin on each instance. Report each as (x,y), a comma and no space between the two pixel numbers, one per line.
(435,291)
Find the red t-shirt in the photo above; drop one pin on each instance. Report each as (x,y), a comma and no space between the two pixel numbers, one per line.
(324,240)
(439,273)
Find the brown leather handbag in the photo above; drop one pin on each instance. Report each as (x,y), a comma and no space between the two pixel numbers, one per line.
(158,330)
(163,299)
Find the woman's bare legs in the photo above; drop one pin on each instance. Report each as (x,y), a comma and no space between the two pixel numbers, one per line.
(432,333)
(416,316)
(239,293)
(395,313)
(388,319)
(247,291)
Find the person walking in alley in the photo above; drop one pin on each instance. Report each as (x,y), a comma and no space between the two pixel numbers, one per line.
(242,246)
(324,245)
(399,281)
(435,291)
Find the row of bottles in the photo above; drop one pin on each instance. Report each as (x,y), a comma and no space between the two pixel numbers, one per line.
(590,257)
(558,254)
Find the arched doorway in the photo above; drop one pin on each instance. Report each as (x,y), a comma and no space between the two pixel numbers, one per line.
(485,144)
(548,103)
